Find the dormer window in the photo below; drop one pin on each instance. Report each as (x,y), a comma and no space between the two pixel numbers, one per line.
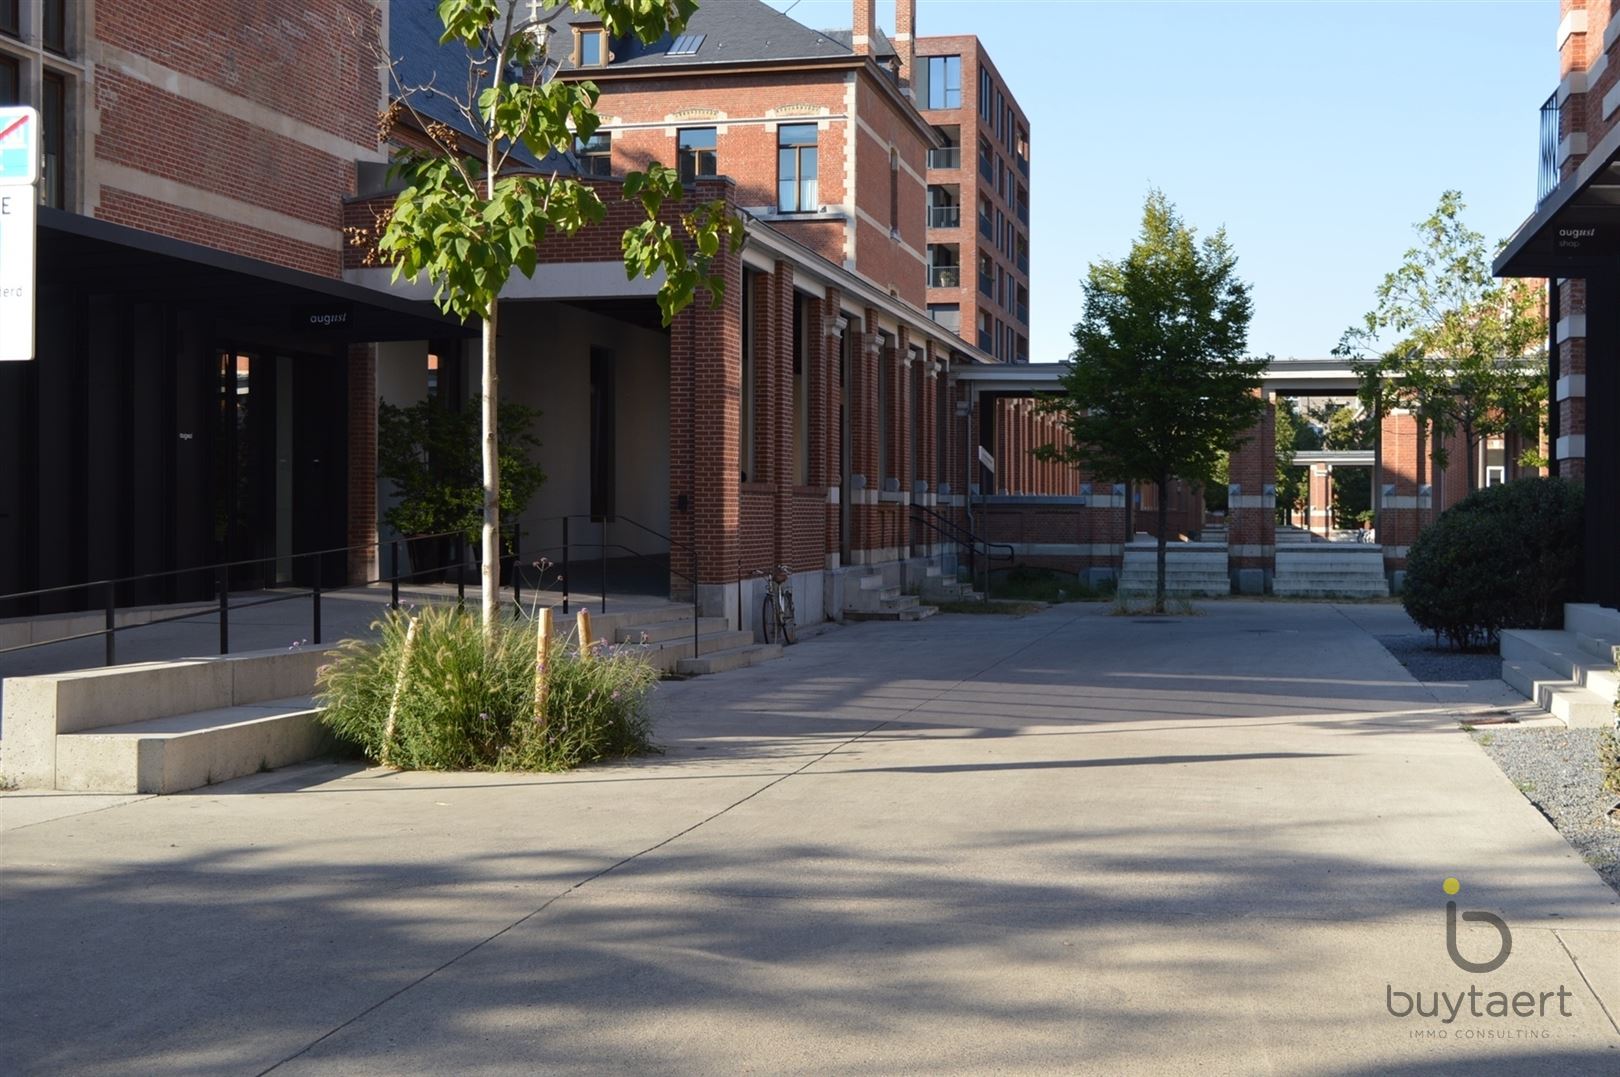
(590,46)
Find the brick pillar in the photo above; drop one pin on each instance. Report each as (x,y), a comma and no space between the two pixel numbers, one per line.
(1252,513)
(1579,43)
(362,528)
(778,444)
(864,436)
(900,420)
(1569,330)
(1404,493)
(705,388)
(1318,499)
(822,339)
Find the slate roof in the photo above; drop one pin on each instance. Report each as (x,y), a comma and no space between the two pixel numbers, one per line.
(734,31)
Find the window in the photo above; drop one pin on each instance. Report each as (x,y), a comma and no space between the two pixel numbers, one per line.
(54,31)
(595,154)
(10,80)
(944,82)
(53,178)
(894,190)
(10,22)
(592,48)
(796,168)
(686,45)
(987,94)
(697,153)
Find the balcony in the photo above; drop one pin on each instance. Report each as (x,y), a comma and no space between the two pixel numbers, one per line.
(944,216)
(987,284)
(1023,212)
(987,168)
(1023,263)
(945,157)
(987,227)
(985,343)
(1023,166)
(1023,313)
(944,276)
(1549,150)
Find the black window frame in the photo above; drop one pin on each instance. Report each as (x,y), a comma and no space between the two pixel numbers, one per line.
(595,154)
(690,159)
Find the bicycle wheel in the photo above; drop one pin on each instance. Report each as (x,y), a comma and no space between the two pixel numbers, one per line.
(768,618)
(790,633)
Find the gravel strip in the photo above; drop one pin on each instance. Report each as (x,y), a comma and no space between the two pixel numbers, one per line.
(1558,770)
(1426,662)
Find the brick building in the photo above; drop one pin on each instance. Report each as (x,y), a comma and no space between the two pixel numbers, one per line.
(1573,239)
(208,391)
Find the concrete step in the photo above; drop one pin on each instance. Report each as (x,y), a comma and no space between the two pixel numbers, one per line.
(661,631)
(1565,700)
(1563,654)
(1587,619)
(871,582)
(188,751)
(729,659)
(906,613)
(609,625)
(667,655)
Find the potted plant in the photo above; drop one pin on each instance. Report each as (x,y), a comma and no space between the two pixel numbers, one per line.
(430,452)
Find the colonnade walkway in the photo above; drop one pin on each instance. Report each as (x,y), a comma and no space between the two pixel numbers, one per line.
(1068,842)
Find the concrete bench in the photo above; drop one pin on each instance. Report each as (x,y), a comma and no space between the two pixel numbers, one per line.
(162,727)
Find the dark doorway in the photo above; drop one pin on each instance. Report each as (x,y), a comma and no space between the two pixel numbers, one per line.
(604,436)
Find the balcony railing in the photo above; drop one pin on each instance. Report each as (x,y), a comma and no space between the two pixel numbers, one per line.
(987,168)
(987,228)
(947,319)
(985,344)
(987,284)
(1023,212)
(1548,182)
(945,157)
(1023,166)
(944,216)
(1023,263)
(944,276)
(1023,313)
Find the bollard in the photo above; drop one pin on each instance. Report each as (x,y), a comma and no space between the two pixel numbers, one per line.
(542,664)
(584,622)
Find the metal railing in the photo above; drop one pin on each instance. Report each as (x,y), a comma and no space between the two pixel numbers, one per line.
(963,537)
(1023,263)
(985,344)
(1550,137)
(1023,165)
(220,575)
(987,168)
(944,276)
(987,227)
(1023,212)
(945,157)
(987,284)
(1023,313)
(944,216)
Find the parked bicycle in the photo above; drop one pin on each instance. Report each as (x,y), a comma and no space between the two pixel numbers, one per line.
(776,613)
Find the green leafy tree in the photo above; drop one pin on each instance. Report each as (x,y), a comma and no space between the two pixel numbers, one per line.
(1158,385)
(431,454)
(1462,351)
(470,213)
(1347,427)
(1294,433)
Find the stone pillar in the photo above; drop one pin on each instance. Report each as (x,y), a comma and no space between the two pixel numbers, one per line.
(1251,533)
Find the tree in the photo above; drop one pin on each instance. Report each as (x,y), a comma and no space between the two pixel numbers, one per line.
(1158,386)
(1294,432)
(1460,350)
(472,212)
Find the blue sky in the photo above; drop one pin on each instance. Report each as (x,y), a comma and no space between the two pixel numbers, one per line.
(1317,133)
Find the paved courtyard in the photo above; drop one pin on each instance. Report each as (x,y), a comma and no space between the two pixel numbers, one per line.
(1070,842)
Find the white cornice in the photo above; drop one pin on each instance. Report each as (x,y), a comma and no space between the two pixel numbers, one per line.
(1573,22)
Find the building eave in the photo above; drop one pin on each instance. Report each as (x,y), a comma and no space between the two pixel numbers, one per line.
(1590,197)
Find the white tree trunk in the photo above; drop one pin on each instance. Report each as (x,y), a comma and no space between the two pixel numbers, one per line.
(490,578)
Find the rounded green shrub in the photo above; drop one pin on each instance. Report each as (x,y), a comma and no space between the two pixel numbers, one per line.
(1507,556)
(466,706)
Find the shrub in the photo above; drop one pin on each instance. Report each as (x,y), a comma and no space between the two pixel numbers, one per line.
(463,707)
(1507,556)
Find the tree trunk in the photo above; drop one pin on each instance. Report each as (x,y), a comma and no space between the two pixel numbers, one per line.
(1471,447)
(1164,534)
(490,570)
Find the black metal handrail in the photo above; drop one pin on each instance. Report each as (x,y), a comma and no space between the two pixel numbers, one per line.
(957,533)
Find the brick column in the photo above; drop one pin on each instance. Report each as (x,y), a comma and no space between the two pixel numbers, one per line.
(824,388)
(1404,493)
(776,445)
(1569,392)
(900,419)
(705,390)
(362,528)
(864,437)
(1252,513)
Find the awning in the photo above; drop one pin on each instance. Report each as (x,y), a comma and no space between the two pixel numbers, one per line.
(1577,226)
(108,258)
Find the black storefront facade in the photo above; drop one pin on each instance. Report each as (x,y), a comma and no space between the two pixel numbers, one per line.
(1575,235)
(186,407)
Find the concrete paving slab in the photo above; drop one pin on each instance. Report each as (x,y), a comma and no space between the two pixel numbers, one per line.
(1069,842)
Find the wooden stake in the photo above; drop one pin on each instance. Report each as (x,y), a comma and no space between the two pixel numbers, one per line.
(399,685)
(542,663)
(584,635)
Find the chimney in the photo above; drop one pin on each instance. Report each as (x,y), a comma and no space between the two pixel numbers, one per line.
(865,23)
(905,39)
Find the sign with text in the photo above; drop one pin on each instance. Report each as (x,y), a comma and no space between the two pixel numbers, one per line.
(19,199)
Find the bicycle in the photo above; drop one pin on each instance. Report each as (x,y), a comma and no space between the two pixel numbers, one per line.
(776,612)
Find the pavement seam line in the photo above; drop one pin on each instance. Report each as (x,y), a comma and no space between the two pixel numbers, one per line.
(81,814)
(1582,972)
(312,1044)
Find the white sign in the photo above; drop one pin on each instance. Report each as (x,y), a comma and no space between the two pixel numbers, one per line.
(19,199)
(986,459)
